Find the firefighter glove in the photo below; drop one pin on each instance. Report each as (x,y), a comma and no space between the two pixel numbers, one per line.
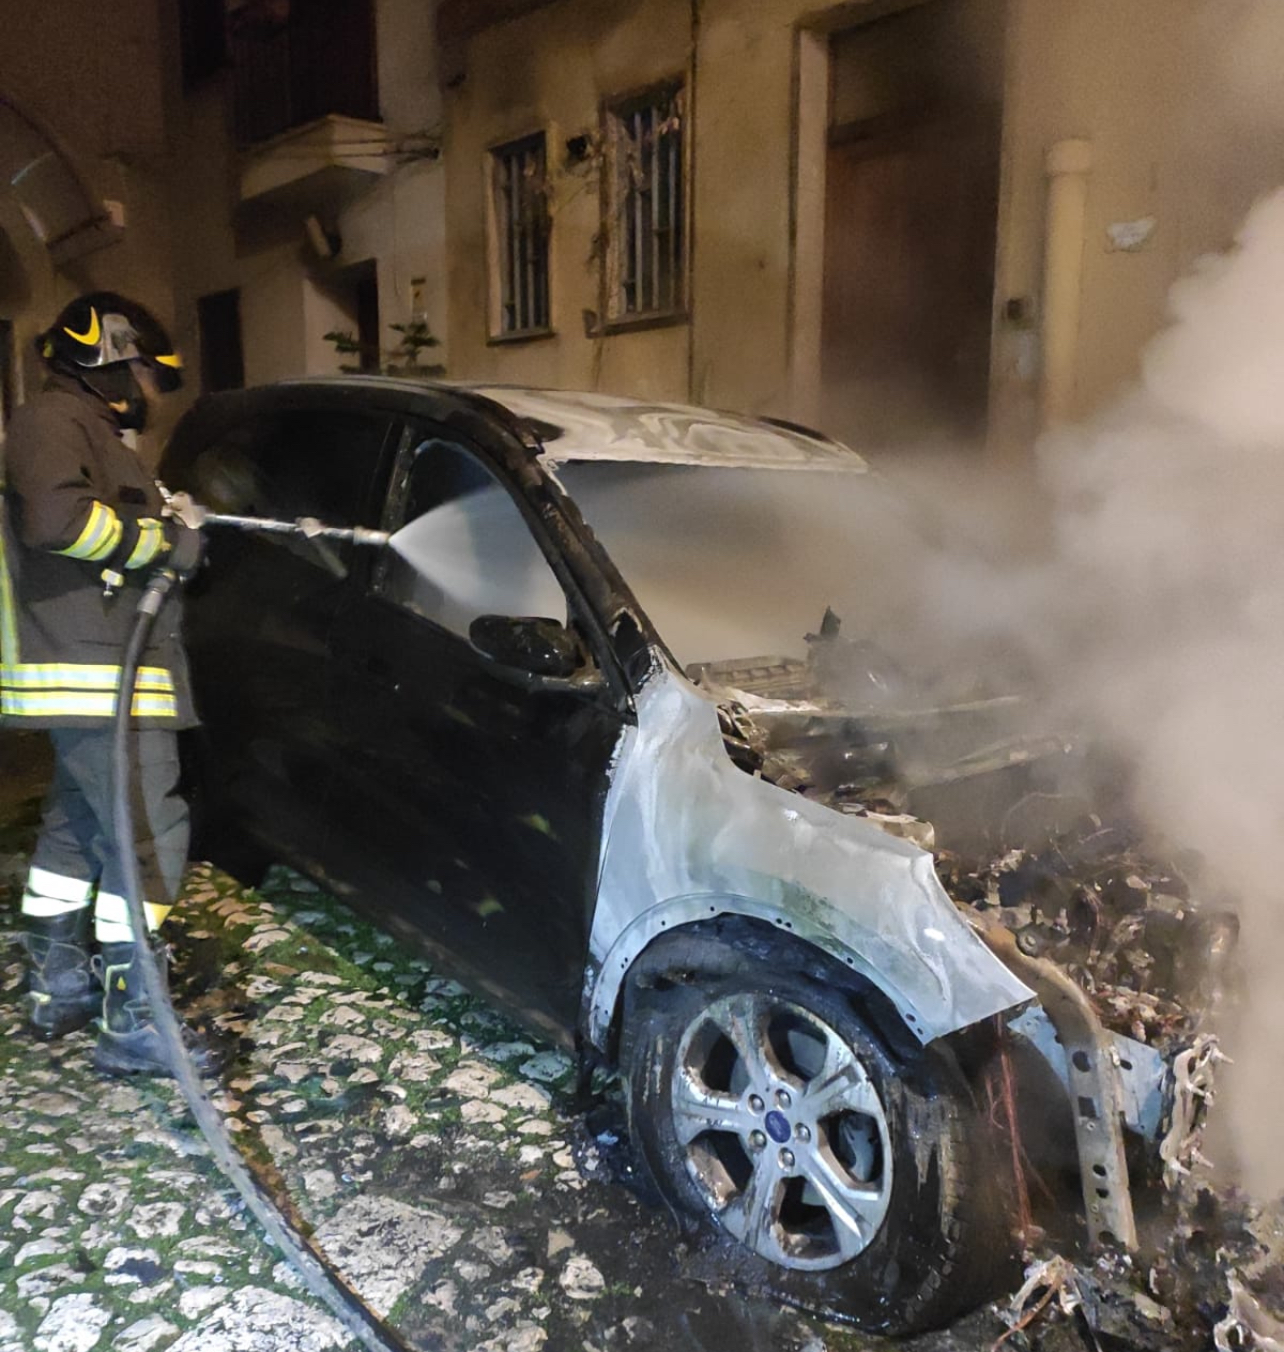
(185,549)
(182,508)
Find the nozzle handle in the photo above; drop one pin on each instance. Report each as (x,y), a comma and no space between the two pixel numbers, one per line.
(307,526)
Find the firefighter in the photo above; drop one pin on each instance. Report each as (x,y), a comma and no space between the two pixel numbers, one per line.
(82,529)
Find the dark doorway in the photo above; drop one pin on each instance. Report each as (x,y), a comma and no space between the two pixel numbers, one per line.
(354,292)
(202,29)
(911,212)
(222,357)
(366,288)
(6,373)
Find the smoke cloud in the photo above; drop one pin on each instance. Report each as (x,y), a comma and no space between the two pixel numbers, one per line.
(1154,617)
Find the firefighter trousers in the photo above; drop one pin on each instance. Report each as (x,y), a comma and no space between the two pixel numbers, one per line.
(76,850)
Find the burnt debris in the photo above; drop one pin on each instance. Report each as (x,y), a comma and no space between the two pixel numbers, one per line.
(1031,831)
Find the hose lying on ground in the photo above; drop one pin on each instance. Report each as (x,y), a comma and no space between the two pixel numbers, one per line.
(321,1278)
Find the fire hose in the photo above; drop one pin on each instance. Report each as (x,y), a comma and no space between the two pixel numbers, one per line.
(321,1278)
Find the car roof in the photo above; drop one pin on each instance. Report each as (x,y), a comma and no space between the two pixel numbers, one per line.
(582,425)
(579,425)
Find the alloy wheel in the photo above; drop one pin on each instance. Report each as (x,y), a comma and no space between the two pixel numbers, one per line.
(784,1133)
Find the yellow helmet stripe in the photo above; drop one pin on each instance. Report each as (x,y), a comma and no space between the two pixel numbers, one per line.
(91,336)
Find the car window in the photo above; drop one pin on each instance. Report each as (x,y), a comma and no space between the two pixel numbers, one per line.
(461,548)
(299,463)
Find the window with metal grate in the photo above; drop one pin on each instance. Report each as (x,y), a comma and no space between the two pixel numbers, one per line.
(519,238)
(645,255)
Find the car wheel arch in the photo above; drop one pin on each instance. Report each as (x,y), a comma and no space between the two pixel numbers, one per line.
(714,936)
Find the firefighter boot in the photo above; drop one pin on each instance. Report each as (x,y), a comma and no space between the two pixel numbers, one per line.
(129,1043)
(61,984)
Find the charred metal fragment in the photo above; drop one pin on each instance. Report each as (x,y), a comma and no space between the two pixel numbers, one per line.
(1094,1091)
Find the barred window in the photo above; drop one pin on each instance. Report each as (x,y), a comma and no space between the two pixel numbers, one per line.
(646,248)
(519,237)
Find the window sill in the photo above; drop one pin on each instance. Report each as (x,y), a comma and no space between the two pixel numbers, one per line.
(633,323)
(524,336)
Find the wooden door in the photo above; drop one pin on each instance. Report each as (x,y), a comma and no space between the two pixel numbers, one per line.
(910,221)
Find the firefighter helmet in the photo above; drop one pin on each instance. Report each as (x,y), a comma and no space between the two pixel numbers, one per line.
(101,329)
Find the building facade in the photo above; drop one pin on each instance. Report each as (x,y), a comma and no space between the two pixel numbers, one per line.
(261,173)
(905,220)
(307,151)
(909,221)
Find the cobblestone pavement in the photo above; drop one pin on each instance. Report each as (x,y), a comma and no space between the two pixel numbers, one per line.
(434,1148)
(438,1154)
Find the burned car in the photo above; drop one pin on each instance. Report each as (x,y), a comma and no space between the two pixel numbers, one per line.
(522,738)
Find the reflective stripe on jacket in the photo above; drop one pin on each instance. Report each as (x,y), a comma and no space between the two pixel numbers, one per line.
(80,511)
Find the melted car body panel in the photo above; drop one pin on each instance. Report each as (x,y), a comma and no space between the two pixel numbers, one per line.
(687,834)
(591,426)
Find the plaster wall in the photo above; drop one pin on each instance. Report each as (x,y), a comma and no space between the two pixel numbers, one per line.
(759,197)
(401,224)
(1180,99)
(744,132)
(1186,124)
(552,70)
(290,297)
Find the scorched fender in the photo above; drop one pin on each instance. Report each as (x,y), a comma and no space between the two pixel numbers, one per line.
(687,835)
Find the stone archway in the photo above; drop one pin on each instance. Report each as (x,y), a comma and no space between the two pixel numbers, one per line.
(48,219)
(59,209)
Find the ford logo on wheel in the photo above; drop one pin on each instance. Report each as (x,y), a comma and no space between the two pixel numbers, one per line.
(777,1127)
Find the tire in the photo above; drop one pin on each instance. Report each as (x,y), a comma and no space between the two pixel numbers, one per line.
(763,1105)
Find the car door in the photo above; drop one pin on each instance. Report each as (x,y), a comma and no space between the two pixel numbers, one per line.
(257,623)
(473,789)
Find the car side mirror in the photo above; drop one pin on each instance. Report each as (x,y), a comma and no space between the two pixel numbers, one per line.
(540,646)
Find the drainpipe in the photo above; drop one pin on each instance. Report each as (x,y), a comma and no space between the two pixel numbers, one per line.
(1068,164)
(694,395)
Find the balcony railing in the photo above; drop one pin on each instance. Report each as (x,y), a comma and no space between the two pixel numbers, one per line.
(317,61)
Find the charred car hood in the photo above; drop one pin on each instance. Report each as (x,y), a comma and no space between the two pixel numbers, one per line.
(872,745)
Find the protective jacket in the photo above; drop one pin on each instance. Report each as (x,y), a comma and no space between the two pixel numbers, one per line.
(81,530)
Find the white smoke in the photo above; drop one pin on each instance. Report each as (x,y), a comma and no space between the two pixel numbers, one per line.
(1155,616)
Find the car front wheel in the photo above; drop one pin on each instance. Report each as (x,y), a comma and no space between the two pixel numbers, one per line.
(765,1104)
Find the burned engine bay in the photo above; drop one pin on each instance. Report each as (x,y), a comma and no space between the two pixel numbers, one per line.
(1031,834)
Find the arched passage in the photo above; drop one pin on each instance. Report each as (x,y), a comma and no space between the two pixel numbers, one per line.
(48,219)
(58,207)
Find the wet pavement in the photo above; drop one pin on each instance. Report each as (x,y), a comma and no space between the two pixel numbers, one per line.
(439,1154)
